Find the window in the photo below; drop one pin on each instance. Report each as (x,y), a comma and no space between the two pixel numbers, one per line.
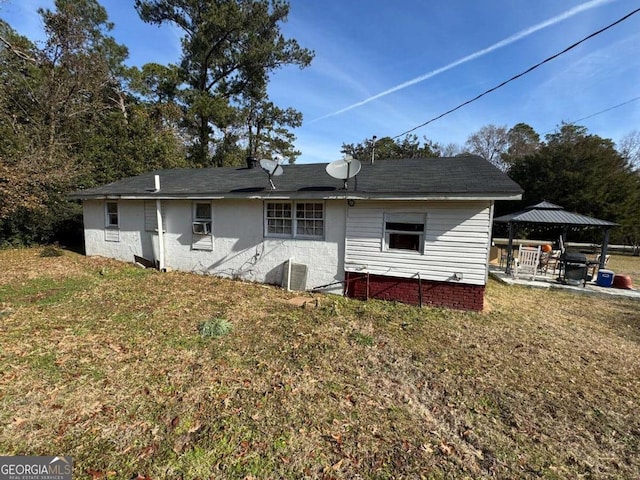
(309,220)
(111,210)
(202,218)
(294,219)
(404,231)
(279,219)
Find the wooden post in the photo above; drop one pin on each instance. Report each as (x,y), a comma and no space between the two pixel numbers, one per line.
(509,250)
(603,250)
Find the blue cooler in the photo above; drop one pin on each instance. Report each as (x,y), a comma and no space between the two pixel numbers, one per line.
(605,278)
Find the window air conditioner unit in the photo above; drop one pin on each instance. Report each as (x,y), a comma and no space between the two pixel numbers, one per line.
(201,228)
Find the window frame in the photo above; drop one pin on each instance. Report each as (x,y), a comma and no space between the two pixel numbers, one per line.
(266,219)
(311,219)
(201,219)
(408,218)
(294,219)
(108,214)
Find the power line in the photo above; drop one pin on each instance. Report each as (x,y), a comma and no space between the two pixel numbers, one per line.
(607,109)
(515,77)
(573,122)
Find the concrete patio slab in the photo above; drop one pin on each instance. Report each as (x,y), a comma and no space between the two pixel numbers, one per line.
(550,281)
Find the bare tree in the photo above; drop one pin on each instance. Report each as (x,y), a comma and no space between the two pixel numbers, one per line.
(450,150)
(490,142)
(629,148)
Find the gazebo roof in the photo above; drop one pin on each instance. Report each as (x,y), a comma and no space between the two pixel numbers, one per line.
(551,214)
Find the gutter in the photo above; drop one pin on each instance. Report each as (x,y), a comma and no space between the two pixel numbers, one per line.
(300,195)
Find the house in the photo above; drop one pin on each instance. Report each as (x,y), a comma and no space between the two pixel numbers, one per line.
(412,230)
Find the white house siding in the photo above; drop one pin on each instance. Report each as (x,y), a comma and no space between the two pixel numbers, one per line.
(122,243)
(456,240)
(240,249)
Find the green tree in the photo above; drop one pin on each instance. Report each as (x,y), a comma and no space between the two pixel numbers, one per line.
(21,174)
(230,47)
(58,92)
(266,129)
(117,148)
(67,121)
(583,173)
(522,140)
(157,86)
(386,148)
(81,65)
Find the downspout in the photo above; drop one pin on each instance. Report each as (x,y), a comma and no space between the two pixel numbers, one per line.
(161,265)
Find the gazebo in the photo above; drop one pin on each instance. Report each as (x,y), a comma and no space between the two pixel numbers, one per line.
(551,215)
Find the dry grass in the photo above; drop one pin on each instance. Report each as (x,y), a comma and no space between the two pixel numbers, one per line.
(104,362)
(627,265)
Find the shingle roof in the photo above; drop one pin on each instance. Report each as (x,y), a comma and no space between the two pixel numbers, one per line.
(468,176)
(551,214)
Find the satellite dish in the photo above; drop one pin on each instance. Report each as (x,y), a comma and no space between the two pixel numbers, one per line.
(273,169)
(344,169)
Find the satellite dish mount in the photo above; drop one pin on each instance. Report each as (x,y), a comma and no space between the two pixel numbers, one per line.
(344,169)
(272,169)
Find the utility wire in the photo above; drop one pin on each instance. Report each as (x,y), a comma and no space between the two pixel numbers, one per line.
(515,77)
(607,109)
(573,122)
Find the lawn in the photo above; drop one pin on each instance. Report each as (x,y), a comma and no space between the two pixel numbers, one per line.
(105,362)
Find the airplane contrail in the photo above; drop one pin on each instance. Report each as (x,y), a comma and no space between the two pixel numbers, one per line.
(502,43)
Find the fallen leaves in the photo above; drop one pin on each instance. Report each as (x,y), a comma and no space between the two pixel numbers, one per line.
(181,442)
(18,421)
(147,452)
(446,449)
(292,395)
(100,475)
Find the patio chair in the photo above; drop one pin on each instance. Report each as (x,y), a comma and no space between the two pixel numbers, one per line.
(606,259)
(552,261)
(545,261)
(527,262)
(556,255)
(595,266)
(503,257)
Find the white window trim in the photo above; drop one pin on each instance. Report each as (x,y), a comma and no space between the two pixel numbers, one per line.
(266,220)
(196,219)
(107,222)
(294,220)
(404,217)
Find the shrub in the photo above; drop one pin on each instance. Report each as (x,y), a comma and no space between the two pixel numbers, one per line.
(51,251)
(216,327)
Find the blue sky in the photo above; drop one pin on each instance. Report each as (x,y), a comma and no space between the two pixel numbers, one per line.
(382,67)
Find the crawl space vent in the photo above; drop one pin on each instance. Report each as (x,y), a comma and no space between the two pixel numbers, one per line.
(294,276)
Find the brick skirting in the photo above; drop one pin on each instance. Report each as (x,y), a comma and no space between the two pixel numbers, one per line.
(460,296)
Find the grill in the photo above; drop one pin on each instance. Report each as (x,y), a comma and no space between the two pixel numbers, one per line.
(573,268)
